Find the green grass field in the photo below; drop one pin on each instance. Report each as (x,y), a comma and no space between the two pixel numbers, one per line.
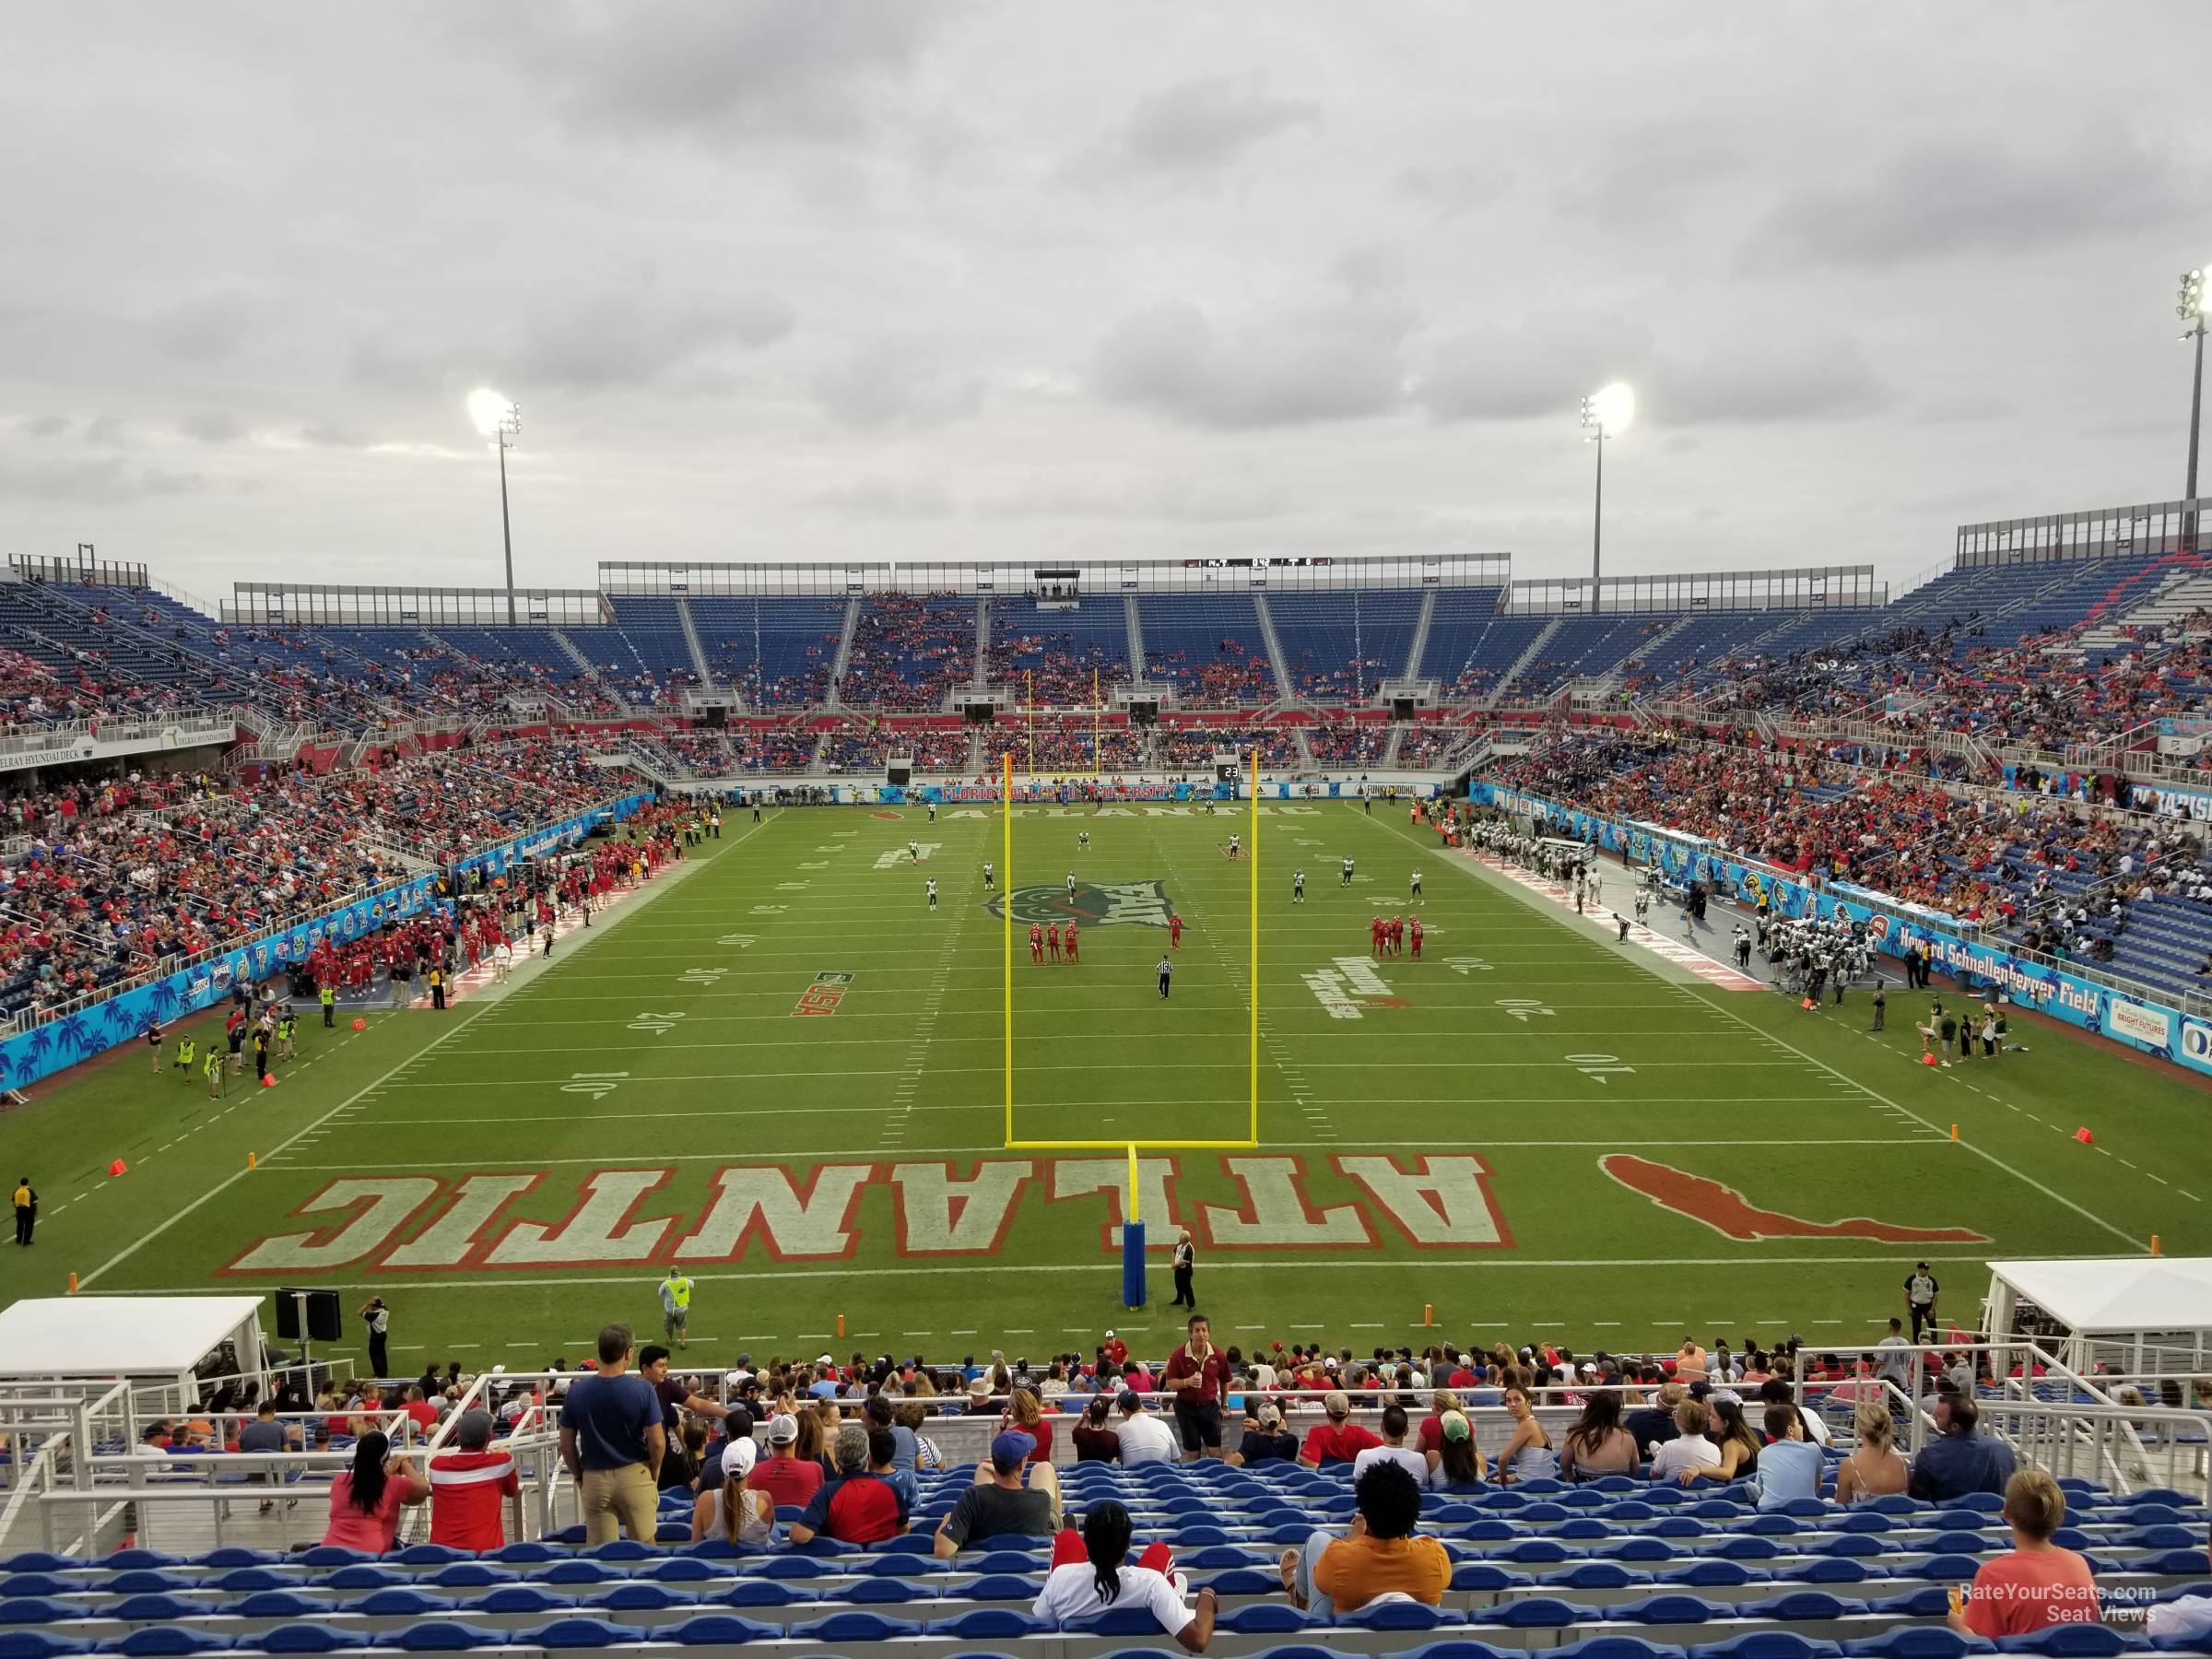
(1483,1136)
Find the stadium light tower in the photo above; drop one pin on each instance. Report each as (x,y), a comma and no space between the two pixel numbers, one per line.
(502,423)
(1605,414)
(2192,311)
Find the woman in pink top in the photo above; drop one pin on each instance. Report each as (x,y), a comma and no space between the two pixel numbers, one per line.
(365,1501)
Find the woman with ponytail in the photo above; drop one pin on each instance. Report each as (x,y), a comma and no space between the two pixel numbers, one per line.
(365,1501)
(1093,1572)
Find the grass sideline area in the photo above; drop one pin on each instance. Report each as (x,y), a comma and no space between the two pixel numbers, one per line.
(1534,1130)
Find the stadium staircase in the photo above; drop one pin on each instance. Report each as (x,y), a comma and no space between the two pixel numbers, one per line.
(2179,593)
(1417,647)
(1286,688)
(1530,654)
(1136,637)
(569,649)
(844,658)
(691,638)
(982,642)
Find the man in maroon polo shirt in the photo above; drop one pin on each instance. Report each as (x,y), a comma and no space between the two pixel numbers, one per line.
(1197,1375)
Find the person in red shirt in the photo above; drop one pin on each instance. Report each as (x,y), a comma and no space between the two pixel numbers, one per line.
(1414,938)
(1174,931)
(1072,953)
(2038,1584)
(859,1506)
(1051,940)
(1374,935)
(1036,943)
(1115,1350)
(421,1410)
(784,1474)
(1197,1376)
(469,1487)
(1338,1440)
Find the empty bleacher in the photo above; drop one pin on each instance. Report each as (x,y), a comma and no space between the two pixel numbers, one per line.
(1340,644)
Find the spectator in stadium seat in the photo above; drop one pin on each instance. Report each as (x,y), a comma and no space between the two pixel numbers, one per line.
(1393,1448)
(790,1480)
(1094,1438)
(1458,1467)
(1265,1440)
(859,1506)
(999,1504)
(1790,1466)
(1529,1454)
(612,1441)
(1100,1578)
(1378,1555)
(1024,1412)
(2037,1585)
(1597,1446)
(1337,1441)
(1689,1450)
(1654,1425)
(1733,1439)
(1144,1437)
(469,1485)
(365,1501)
(1875,1469)
(1959,1461)
(735,1509)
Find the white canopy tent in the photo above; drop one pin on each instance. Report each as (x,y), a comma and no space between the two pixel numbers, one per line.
(146,1339)
(2142,1313)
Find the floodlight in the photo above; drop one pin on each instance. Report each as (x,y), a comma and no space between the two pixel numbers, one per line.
(489,411)
(1610,408)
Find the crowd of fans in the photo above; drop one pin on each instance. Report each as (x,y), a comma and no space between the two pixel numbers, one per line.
(909,651)
(1981,857)
(1343,743)
(864,744)
(123,878)
(1235,674)
(1193,745)
(1056,669)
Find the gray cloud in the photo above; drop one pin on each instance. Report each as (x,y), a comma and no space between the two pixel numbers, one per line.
(888,497)
(1768,380)
(101,480)
(1544,366)
(1956,194)
(767,69)
(106,431)
(44,426)
(634,339)
(331,434)
(205,329)
(1335,361)
(213,426)
(889,383)
(1198,126)
(1451,188)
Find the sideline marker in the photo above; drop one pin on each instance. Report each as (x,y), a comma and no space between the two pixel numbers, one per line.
(252,1162)
(2154,1251)
(118,1167)
(2084,1136)
(1954,1132)
(840,1327)
(73,1284)
(1428,1315)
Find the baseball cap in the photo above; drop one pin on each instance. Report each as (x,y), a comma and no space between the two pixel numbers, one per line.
(1011,1449)
(1110,1335)
(782,1429)
(738,1457)
(1453,1425)
(827,1359)
(1129,1399)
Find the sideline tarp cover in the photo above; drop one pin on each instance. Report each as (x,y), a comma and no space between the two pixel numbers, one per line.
(116,1335)
(2109,1296)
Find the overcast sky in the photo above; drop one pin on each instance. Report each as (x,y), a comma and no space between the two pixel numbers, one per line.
(816,279)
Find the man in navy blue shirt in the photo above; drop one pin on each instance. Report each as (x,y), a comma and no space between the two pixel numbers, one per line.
(612,1441)
(1959,1461)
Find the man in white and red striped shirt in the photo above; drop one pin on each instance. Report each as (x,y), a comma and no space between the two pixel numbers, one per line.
(469,1486)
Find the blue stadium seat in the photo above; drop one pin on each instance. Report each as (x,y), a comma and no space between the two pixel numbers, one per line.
(1266,1618)
(164,1641)
(640,1598)
(152,1609)
(579,1633)
(860,1627)
(889,1590)
(1916,1641)
(2073,1641)
(1530,1613)
(988,1624)
(442,1636)
(1673,1609)
(1004,1586)
(1398,1615)
(1617,1647)
(517,1599)
(307,1639)
(35,1610)
(717,1630)
(280,1603)
(38,1644)
(1767,1644)
(398,1603)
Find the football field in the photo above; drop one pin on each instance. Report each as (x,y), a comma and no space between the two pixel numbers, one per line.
(780,1069)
